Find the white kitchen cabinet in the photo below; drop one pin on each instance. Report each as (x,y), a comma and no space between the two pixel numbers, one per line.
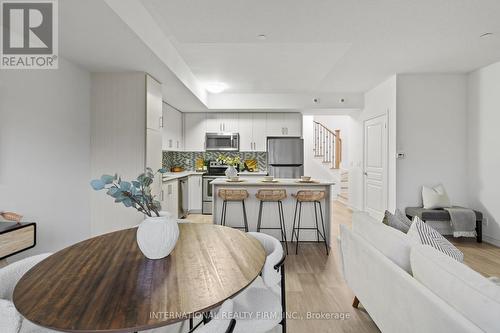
(195,193)
(246,131)
(153,104)
(170,197)
(284,124)
(221,122)
(259,131)
(154,157)
(194,131)
(293,124)
(172,129)
(252,129)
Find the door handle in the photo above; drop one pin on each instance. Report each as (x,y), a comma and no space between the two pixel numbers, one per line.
(366,173)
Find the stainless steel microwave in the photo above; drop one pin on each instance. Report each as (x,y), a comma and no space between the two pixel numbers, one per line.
(222,142)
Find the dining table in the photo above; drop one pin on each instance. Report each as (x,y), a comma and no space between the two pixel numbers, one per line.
(106,284)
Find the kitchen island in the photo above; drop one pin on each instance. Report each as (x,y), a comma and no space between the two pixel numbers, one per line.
(270,217)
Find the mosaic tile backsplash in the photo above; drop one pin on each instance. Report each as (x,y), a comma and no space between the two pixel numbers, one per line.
(186,159)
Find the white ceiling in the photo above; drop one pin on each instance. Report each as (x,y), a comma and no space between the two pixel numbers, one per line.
(314,48)
(92,35)
(326,46)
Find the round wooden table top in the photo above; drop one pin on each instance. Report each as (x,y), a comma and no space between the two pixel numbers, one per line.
(105,284)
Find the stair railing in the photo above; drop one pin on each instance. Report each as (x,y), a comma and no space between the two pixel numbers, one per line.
(328,145)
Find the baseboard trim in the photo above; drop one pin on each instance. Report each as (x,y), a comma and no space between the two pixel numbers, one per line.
(491,240)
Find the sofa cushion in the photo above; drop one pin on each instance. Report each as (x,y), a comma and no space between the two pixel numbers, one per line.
(474,296)
(421,233)
(394,244)
(435,197)
(397,220)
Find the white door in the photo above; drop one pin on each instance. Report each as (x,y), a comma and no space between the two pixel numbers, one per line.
(194,131)
(375,166)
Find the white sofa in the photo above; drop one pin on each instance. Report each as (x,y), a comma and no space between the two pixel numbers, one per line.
(393,280)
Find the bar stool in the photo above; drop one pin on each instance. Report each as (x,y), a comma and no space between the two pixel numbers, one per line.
(315,197)
(233,195)
(275,195)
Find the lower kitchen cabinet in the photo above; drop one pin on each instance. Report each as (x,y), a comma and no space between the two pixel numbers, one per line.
(170,197)
(195,193)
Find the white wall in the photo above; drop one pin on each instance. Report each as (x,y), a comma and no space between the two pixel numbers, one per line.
(431,126)
(44,151)
(378,101)
(483,119)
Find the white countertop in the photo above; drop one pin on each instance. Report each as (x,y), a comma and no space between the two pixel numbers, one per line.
(255,181)
(176,175)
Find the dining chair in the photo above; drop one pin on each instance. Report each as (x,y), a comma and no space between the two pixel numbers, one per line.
(10,319)
(264,302)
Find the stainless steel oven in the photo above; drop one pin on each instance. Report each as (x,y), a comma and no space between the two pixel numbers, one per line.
(222,141)
(207,193)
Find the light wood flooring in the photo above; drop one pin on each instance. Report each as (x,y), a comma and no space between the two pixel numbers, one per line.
(315,286)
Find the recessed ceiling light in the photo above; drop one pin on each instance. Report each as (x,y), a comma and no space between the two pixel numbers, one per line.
(486,34)
(215,87)
(261,37)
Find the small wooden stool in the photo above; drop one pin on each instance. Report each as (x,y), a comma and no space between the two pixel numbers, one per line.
(233,195)
(315,197)
(274,195)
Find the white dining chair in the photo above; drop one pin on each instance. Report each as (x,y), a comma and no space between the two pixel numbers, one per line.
(261,306)
(10,320)
(222,321)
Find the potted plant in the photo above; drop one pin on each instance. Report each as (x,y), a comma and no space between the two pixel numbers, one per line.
(232,163)
(158,233)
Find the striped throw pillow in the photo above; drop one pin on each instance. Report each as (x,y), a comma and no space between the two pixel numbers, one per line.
(421,233)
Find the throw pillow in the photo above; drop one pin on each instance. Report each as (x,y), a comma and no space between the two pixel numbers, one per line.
(421,233)
(435,197)
(397,220)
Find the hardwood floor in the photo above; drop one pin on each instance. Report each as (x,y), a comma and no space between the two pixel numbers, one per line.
(315,286)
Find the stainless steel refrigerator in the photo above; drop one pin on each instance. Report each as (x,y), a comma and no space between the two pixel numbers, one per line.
(285,157)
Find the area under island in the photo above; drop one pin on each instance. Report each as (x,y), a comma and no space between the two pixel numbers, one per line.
(270,217)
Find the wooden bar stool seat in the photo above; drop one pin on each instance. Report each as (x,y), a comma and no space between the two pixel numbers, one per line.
(233,195)
(309,195)
(314,197)
(273,195)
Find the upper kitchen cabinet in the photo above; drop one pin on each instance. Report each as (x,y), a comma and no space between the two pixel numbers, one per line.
(154,119)
(194,131)
(284,124)
(172,129)
(252,129)
(222,122)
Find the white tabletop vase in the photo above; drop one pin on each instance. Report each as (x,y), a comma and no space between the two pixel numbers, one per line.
(157,236)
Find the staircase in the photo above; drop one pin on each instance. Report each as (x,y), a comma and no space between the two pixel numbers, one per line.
(343,196)
(327,145)
(328,148)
